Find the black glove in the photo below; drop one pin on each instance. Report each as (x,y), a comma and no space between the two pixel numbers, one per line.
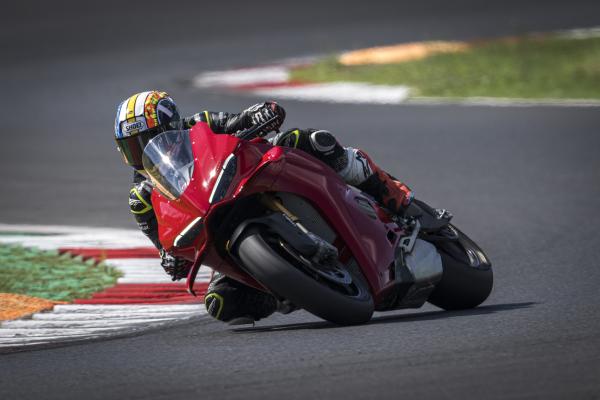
(262,112)
(176,267)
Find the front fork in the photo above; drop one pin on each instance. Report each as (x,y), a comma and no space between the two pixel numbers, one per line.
(275,204)
(269,201)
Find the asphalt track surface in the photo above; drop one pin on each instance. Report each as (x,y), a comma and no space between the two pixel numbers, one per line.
(524,182)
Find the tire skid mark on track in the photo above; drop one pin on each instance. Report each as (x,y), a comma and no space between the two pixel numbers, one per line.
(143,298)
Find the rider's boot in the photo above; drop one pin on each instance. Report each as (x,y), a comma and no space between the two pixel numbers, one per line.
(231,301)
(367,176)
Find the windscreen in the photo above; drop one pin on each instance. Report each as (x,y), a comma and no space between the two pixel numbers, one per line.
(169,162)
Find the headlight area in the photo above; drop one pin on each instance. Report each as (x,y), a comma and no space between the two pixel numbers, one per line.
(187,236)
(224,179)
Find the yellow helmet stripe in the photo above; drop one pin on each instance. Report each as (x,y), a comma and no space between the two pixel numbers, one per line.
(131,108)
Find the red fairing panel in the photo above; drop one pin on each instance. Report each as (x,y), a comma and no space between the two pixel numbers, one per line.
(365,237)
(209,155)
(262,168)
(210,152)
(172,217)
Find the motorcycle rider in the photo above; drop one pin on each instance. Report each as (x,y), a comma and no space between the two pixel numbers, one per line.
(144,115)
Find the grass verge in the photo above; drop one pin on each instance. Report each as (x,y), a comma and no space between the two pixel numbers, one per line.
(48,275)
(529,67)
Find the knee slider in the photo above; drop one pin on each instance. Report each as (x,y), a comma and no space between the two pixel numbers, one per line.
(323,141)
(328,150)
(221,301)
(214,303)
(224,298)
(227,299)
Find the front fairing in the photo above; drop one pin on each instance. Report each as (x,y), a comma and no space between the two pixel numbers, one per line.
(211,152)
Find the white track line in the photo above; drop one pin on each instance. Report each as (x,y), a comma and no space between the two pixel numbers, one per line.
(117,308)
(24,333)
(73,237)
(35,324)
(139,270)
(85,321)
(580,33)
(148,270)
(145,263)
(159,278)
(340,92)
(21,333)
(246,76)
(106,316)
(502,102)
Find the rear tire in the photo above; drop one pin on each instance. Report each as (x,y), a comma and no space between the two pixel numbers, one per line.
(462,286)
(267,265)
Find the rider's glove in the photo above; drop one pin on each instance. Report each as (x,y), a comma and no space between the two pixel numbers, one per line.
(176,267)
(262,112)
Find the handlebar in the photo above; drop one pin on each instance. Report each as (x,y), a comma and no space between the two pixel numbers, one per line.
(249,133)
(245,134)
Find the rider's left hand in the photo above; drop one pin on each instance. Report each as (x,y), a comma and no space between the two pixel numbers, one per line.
(176,267)
(262,112)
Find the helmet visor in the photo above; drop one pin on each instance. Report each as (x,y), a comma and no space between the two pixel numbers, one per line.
(132,147)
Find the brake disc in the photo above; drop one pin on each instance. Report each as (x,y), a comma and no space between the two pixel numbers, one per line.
(334,273)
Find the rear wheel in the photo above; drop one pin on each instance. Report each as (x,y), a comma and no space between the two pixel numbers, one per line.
(467,279)
(339,295)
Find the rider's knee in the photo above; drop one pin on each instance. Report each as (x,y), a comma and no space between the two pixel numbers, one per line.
(226,300)
(357,168)
(319,143)
(322,141)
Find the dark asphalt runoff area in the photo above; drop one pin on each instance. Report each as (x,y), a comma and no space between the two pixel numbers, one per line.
(524,182)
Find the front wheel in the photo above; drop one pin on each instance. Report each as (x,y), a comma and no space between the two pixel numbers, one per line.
(267,258)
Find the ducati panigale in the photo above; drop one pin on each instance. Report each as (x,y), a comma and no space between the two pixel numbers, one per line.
(279,220)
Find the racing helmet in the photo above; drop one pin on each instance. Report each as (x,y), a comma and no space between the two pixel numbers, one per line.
(140,118)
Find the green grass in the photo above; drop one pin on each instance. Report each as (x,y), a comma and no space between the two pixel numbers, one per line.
(542,67)
(49,275)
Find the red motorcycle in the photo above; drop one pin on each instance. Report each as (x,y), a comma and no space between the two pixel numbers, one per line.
(279,220)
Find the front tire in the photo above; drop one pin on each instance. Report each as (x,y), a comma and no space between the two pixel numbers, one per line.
(265,261)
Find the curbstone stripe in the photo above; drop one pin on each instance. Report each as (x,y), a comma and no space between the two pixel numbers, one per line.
(143,298)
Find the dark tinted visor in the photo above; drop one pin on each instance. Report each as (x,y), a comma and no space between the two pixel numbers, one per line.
(132,147)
